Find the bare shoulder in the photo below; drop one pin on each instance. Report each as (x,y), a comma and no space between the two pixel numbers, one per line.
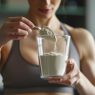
(78,33)
(83,39)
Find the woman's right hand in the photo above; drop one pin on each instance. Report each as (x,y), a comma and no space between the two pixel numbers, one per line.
(15,28)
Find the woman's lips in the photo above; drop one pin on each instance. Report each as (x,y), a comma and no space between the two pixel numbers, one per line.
(45,10)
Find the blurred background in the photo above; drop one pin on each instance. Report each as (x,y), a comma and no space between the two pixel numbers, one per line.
(78,13)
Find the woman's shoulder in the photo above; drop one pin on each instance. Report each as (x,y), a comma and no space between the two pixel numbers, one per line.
(82,38)
(79,33)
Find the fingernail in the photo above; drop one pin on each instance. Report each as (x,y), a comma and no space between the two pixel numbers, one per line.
(30,30)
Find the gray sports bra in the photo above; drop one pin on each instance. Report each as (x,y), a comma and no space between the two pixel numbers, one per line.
(18,76)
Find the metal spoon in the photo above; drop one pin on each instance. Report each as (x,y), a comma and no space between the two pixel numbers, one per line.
(45,31)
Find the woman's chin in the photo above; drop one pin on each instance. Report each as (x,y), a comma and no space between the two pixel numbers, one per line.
(45,15)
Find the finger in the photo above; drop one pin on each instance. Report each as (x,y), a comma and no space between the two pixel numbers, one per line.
(70,65)
(70,75)
(54,79)
(18,34)
(14,19)
(21,25)
(23,19)
(70,82)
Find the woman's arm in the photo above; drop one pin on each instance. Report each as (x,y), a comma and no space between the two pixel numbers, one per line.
(82,79)
(14,28)
(86,85)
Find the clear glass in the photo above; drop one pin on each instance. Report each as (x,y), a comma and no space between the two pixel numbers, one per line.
(53,53)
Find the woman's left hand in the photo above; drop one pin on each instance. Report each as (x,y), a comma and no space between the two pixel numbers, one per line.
(71,77)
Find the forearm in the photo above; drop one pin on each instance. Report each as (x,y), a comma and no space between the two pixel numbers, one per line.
(84,86)
(2,42)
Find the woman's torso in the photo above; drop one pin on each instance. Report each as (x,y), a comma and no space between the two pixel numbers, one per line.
(19,75)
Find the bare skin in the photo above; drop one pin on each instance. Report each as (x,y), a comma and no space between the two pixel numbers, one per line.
(87,58)
(20,28)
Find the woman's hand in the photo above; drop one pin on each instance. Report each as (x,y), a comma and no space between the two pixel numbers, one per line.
(70,78)
(15,28)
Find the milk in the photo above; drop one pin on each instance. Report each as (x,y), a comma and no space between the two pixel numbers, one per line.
(52,64)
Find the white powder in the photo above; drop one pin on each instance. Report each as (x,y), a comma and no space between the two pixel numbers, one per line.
(52,64)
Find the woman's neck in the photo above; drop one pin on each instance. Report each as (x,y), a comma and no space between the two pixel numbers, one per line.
(52,22)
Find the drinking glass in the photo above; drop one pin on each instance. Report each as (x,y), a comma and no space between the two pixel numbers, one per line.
(53,51)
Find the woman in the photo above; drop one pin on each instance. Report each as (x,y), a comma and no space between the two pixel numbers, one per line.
(19,57)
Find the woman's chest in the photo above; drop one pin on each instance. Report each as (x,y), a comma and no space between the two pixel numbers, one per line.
(28,51)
